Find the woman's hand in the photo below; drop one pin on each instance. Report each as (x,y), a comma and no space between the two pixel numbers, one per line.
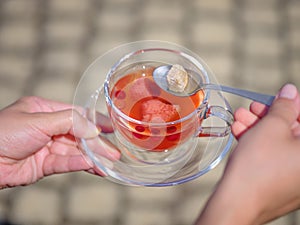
(261,180)
(37,138)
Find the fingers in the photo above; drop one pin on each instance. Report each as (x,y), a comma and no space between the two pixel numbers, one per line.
(63,115)
(64,122)
(55,164)
(58,125)
(286,106)
(244,119)
(238,129)
(104,123)
(65,157)
(82,127)
(258,109)
(103,147)
(33,104)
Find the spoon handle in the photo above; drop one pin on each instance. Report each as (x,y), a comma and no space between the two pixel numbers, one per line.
(258,97)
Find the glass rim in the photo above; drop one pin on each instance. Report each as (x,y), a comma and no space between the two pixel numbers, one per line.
(141,51)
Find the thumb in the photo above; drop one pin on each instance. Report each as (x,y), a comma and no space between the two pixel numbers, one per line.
(67,121)
(287,105)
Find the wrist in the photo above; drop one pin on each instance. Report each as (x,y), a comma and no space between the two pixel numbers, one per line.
(229,206)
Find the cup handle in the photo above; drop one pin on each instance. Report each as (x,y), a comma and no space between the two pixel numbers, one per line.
(217,131)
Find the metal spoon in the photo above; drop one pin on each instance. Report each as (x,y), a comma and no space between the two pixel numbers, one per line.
(195,83)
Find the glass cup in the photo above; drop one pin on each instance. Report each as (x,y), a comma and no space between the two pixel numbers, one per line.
(163,139)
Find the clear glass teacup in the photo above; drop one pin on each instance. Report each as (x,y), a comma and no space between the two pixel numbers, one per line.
(163,139)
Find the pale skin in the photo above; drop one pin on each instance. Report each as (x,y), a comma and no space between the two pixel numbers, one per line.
(38,139)
(260,181)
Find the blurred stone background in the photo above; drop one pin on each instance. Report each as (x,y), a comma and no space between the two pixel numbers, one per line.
(45,46)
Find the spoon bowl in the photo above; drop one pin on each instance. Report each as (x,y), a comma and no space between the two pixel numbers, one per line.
(195,84)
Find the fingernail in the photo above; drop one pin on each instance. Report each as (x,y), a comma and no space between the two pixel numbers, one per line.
(93,131)
(289,91)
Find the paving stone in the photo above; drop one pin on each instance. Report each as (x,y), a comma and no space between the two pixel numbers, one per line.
(4,200)
(148,196)
(57,182)
(15,69)
(103,43)
(5,193)
(46,45)
(148,217)
(69,6)
(215,5)
(8,94)
(281,220)
(214,33)
(64,31)
(263,79)
(18,35)
(89,179)
(162,34)
(222,66)
(155,12)
(109,3)
(19,8)
(52,89)
(260,5)
(297,216)
(294,67)
(2,211)
(267,17)
(293,40)
(36,206)
(92,203)
(293,11)
(116,19)
(203,184)
(262,46)
(189,207)
(61,61)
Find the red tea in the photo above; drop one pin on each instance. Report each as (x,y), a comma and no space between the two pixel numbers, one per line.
(140,98)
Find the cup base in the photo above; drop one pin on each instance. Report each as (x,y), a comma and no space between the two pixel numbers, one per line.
(137,168)
(134,154)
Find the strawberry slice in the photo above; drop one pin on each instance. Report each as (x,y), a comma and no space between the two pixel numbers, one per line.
(155,110)
(142,88)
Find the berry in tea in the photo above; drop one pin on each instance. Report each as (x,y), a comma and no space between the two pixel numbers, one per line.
(137,96)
